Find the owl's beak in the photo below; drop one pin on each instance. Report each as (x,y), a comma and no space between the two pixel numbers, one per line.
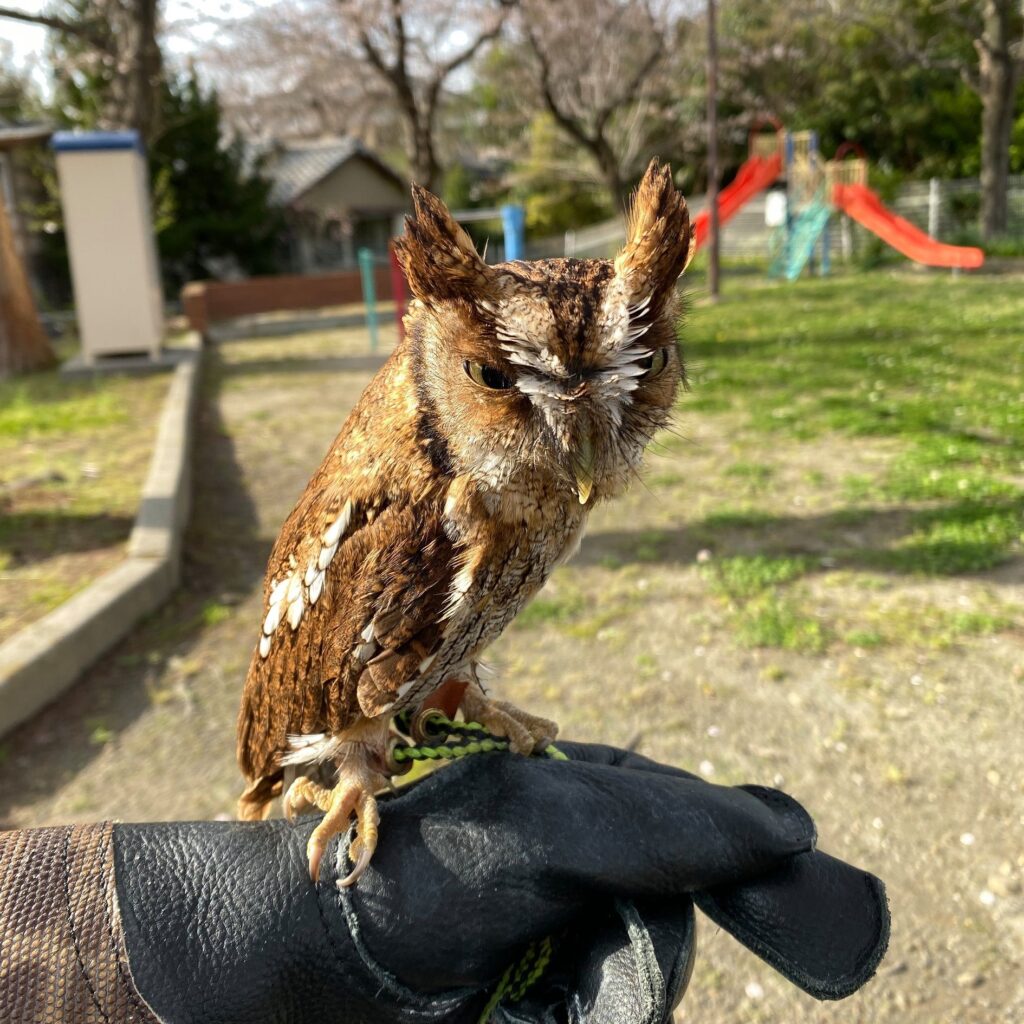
(583,468)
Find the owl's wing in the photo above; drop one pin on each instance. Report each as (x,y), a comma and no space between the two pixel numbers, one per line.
(352,610)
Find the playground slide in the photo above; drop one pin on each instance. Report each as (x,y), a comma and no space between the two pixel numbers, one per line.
(754,176)
(803,237)
(864,206)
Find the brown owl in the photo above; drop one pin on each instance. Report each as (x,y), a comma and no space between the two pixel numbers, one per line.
(522,394)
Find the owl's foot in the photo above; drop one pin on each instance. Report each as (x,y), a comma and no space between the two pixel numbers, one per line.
(352,796)
(526,733)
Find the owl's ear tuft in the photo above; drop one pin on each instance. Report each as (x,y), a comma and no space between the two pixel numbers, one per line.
(438,257)
(659,239)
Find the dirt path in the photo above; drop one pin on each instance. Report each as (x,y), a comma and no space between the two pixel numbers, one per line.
(907,752)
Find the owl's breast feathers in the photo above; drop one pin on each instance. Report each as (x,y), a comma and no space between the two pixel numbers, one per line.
(388,576)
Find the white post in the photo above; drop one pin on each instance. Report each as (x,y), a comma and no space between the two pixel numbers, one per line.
(934,206)
(845,238)
(104,192)
(570,243)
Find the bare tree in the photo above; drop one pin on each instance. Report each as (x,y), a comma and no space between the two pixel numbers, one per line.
(118,40)
(594,63)
(416,47)
(288,70)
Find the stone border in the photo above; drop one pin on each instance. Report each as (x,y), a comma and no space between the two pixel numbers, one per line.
(42,660)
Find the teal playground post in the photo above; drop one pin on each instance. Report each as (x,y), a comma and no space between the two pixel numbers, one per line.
(366,262)
(513,220)
(513,223)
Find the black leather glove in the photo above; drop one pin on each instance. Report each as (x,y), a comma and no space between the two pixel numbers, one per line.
(521,889)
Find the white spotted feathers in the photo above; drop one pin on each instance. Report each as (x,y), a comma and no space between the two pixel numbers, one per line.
(300,589)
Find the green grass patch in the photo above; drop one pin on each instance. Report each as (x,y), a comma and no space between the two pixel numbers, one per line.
(774,620)
(867,638)
(737,519)
(214,613)
(967,537)
(933,363)
(930,626)
(756,473)
(556,609)
(649,545)
(47,403)
(745,576)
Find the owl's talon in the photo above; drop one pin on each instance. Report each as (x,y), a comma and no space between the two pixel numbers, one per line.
(353,795)
(526,733)
(305,795)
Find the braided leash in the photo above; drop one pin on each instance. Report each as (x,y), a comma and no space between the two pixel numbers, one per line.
(449,740)
(519,977)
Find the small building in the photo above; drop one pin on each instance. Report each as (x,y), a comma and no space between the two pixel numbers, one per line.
(338,197)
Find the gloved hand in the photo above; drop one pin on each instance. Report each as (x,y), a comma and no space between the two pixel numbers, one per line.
(521,889)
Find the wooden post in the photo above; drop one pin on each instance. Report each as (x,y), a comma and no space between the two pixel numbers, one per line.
(713,223)
(24,345)
(397,291)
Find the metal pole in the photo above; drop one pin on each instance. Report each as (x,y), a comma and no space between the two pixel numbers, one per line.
(713,225)
(934,201)
(513,220)
(369,293)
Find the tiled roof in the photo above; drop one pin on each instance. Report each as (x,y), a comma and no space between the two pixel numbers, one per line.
(298,166)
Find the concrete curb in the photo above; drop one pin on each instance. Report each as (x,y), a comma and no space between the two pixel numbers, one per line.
(44,659)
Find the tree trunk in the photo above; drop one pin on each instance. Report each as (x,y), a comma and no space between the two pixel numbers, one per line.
(23,342)
(135,87)
(714,242)
(999,78)
(609,166)
(425,166)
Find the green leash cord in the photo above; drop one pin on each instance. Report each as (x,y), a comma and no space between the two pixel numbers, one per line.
(519,977)
(452,740)
(449,741)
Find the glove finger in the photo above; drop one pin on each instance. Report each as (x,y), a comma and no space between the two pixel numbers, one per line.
(638,967)
(517,848)
(821,923)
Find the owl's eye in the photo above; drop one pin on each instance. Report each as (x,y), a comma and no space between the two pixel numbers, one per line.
(654,364)
(486,376)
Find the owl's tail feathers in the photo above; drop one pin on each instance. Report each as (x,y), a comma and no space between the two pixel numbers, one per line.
(254,803)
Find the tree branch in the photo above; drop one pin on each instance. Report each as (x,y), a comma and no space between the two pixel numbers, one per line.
(630,86)
(467,53)
(564,120)
(87,30)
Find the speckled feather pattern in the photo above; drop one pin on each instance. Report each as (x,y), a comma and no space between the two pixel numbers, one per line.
(441,508)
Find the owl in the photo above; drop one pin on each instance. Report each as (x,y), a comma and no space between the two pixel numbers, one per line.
(522,394)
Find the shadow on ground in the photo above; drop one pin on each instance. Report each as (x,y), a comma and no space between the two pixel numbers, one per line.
(30,536)
(288,364)
(224,558)
(877,539)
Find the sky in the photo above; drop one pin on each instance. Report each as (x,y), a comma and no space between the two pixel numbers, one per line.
(27,43)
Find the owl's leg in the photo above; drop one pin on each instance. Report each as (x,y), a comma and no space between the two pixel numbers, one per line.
(359,776)
(526,733)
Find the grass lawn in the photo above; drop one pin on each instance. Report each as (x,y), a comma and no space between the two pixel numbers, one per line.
(819,587)
(905,396)
(73,457)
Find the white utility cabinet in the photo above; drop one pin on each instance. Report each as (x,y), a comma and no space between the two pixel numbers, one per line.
(104,189)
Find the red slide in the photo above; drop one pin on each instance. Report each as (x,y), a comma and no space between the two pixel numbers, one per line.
(754,176)
(864,206)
